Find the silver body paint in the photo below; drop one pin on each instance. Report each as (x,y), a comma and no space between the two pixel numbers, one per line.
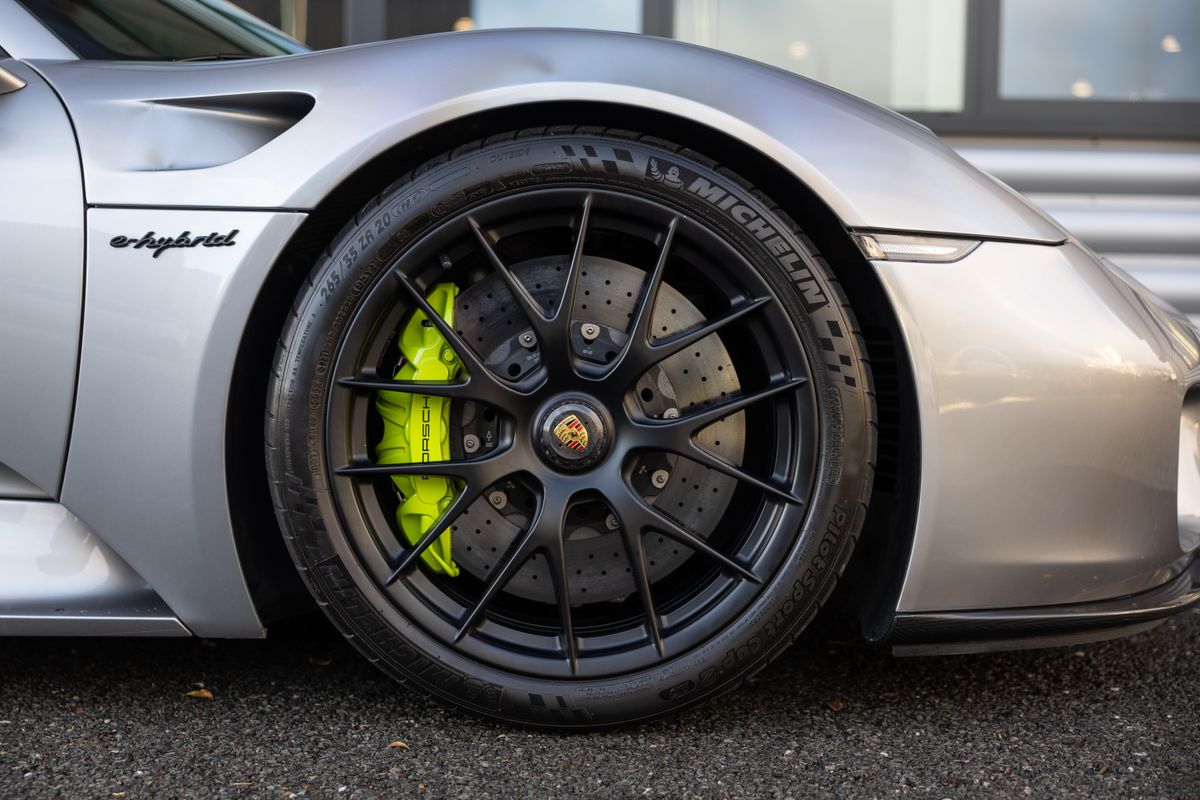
(1049,394)
(147,462)
(57,577)
(41,283)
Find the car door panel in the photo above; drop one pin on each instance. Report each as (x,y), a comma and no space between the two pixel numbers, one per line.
(41,283)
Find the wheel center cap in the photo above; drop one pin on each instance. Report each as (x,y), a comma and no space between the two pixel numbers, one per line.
(572,434)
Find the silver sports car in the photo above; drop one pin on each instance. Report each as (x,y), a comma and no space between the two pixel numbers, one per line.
(569,371)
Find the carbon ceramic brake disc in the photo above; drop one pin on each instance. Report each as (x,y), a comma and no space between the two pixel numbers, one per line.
(694,495)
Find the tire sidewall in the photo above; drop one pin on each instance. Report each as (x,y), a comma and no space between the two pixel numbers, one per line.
(400,216)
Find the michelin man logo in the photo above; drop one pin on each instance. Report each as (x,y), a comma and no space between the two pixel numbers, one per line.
(670,178)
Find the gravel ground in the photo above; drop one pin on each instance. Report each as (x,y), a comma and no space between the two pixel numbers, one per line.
(302,715)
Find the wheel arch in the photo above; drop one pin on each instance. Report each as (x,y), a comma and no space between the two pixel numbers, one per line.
(878,565)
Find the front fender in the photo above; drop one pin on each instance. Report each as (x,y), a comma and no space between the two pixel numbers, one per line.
(872,167)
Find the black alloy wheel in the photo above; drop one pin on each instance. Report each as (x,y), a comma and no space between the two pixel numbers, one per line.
(659,445)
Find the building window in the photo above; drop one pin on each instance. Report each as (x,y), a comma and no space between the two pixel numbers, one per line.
(607,15)
(907,54)
(1121,50)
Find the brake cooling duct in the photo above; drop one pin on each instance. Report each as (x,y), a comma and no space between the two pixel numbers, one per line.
(416,428)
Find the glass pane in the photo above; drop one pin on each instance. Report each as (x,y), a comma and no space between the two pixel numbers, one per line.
(907,54)
(607,15)
(159,29)
(1115,50)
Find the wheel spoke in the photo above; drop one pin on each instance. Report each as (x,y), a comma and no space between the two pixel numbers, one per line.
(645,517)
(545,527)
(643,311)
(474,364)
(678,436)
(520,551)
(695,422)
(529,306)
(635,551)
(556,559)
(665,348)
(566,300)
(461,390)
(468,495)
(484,470)
(713,461)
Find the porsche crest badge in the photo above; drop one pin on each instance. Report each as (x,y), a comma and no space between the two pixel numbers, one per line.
(571,433)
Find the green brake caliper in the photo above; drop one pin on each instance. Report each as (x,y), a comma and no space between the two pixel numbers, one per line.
(416,428)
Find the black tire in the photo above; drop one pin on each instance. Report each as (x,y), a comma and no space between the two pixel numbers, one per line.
(329,534)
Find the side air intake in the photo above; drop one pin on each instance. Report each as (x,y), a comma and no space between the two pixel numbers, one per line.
(200,132)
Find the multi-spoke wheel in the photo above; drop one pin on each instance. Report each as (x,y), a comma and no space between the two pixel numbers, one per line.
(571,429)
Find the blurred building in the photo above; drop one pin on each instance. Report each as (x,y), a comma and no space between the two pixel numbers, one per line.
(1090,108)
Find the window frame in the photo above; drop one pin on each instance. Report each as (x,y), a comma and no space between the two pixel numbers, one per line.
(986,112)
(658,18)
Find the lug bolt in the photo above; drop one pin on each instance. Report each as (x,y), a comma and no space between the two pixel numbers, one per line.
(589,331)
(448,356)
(671,413)
(498,499)
(611,522)
(445,263)
(527,340)
(659,478)
(470,443)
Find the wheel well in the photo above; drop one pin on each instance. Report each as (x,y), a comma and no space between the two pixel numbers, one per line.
(875,572)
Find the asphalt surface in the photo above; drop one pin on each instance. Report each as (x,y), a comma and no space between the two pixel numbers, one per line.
(302,715)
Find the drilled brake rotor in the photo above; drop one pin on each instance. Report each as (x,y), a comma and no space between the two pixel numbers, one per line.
(693,379)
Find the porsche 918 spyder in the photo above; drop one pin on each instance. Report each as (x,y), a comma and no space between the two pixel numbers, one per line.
(569,371)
